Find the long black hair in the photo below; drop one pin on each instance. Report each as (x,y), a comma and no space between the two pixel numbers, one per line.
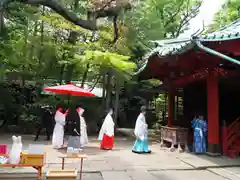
(72,114)
(73,120)
(143,109)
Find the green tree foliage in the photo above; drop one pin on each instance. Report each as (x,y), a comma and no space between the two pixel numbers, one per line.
(228,13)
(88,41)
(155,20)
(27,39)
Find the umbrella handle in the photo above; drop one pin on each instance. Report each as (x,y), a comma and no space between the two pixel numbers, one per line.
(66,113)
(76,131)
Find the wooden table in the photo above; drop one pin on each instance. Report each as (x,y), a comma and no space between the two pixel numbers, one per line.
(38,168)
(73,156)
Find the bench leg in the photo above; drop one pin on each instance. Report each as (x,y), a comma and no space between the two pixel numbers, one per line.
(63,162)
(81,168)
(39,173)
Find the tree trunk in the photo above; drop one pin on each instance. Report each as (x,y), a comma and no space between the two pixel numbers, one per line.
(35,31)
(25,56)
(42,37)
(109,89)
(116,107)
(69,73)
(72,40)
(104,89)
(61,74)
(95,83)
(85,75)
(3,30)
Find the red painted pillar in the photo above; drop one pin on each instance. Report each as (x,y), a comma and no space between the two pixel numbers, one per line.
(213,114)
(171,104)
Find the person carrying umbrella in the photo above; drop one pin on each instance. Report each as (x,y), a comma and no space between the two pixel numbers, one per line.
(74,123)
(72,118)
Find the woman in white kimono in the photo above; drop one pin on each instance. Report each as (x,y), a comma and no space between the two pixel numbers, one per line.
(58,132)
(83,128)
(141,133)
(106,134)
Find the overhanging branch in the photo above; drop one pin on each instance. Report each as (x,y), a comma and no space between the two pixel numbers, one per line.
(67,14)
(171,19)
(89,23)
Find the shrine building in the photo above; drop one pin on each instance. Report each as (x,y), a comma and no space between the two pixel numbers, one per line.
(205,71)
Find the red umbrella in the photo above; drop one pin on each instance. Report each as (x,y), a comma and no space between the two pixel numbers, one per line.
(69,89)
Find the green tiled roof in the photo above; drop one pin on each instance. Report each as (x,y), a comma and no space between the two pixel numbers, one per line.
(165,48)
(180,45)
(228,32)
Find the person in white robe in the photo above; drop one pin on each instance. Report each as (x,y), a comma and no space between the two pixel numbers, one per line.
(83,128)
(106,134)
(141,133)
(58,132)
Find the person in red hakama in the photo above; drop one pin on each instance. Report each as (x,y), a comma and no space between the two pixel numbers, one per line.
(106,134)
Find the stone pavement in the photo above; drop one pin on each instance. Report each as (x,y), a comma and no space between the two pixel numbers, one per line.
(122,164)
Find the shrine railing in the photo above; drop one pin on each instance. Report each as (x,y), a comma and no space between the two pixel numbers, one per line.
(230,135)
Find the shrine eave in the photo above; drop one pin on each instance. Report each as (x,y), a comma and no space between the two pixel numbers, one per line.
(174,47)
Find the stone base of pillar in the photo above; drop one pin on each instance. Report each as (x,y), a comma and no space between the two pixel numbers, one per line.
(214,149)
(162,143)
(172,147)
(186,147)
(180,150)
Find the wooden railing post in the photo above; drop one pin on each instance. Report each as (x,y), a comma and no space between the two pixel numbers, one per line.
(224,138)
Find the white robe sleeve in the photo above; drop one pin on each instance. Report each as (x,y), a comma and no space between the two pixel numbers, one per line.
(107,127)
(102,130)
(100,135)
(57,117)
(83,125)
(110,126)
(62,120)
(83,129)
(140,127)
(83,122)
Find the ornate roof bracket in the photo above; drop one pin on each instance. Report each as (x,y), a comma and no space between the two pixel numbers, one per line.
(213,52)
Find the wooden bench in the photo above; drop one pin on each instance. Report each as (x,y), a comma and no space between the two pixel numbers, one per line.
(31,162)
(38,168)
(61,175)
(74,156)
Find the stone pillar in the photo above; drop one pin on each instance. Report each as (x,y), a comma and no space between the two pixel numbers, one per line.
(213,115)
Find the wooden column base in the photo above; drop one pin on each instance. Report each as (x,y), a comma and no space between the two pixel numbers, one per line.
(214,149)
